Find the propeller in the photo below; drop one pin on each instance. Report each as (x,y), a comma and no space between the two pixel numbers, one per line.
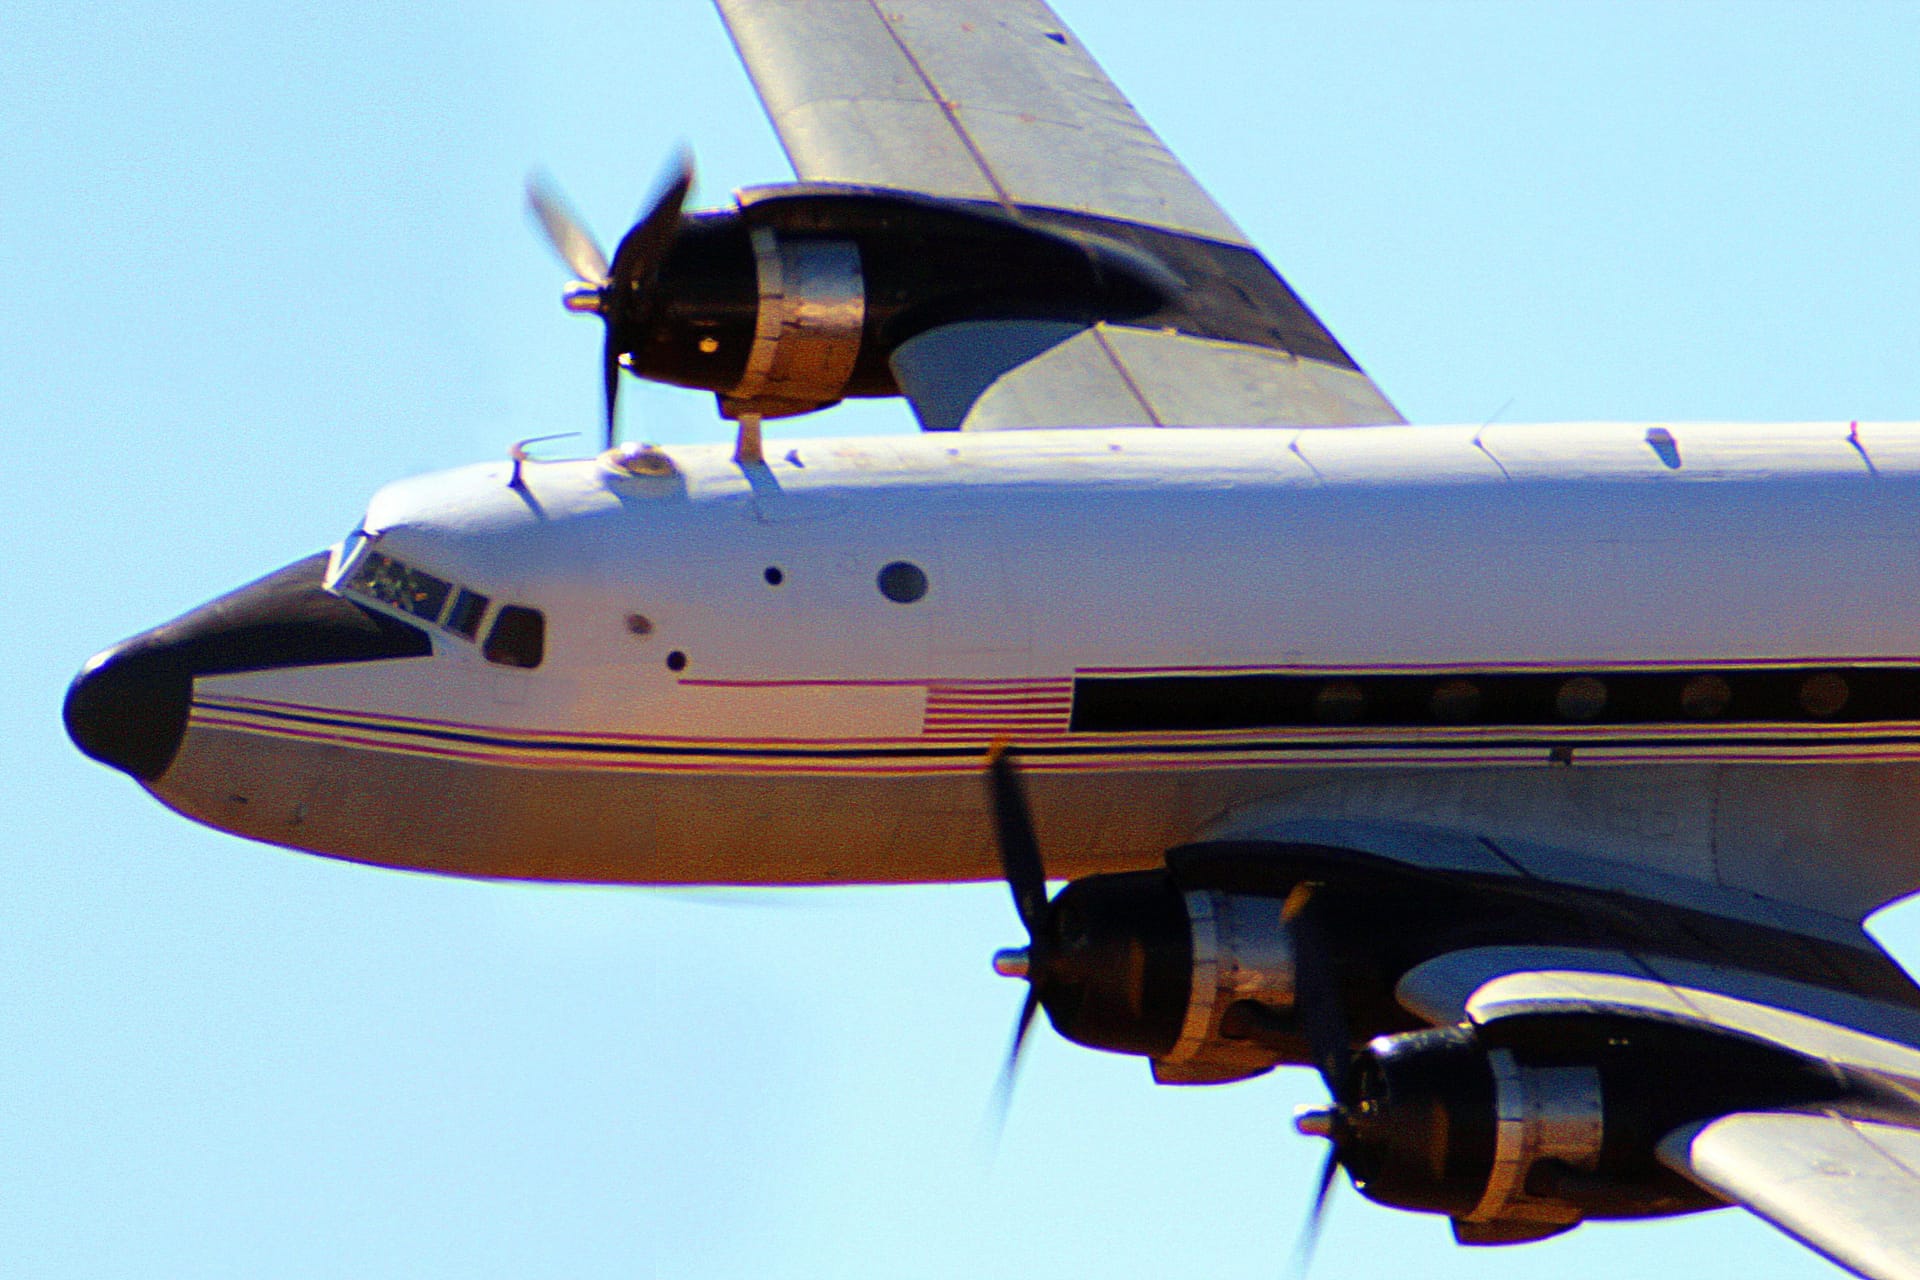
(1026,876)
(620,292)
(1323,1021)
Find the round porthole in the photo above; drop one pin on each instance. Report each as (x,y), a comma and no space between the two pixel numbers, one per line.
(1455,701)
(1823,695)
(1581,698)
(1340,702)
(1705,697)
(773,575)
(902,583)
(676,661)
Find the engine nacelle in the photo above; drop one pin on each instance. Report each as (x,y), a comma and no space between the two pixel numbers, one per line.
(1516,1130)
(1202,982)
(1522,1131)
(808,327)
(798,297)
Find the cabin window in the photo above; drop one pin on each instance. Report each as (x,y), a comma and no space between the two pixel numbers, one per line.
(1340,702)
(1455,702)
(1705,697)
(1823,694)
(518,638)
(1581,698)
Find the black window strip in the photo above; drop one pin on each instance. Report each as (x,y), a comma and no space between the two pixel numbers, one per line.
(1704,695)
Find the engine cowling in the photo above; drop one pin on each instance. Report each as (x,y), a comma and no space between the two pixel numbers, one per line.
(1200,981)
(799,296)
(1521,1131)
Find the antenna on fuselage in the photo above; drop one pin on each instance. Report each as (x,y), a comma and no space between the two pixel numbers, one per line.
(518,453)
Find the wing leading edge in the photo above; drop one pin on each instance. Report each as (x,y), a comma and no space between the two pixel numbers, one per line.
(1841,1177)
(996,103)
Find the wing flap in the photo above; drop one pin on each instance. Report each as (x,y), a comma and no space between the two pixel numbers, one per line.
(1848,1189)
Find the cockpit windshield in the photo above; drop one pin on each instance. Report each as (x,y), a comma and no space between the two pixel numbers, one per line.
(401,586)
(518,637)
(387,580)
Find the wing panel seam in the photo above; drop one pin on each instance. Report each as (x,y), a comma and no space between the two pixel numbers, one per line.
(946,109)
(1126,376)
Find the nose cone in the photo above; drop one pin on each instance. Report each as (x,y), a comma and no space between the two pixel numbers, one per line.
(129,711)
(129,706)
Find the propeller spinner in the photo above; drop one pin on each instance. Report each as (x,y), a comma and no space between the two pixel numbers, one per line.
(620,292)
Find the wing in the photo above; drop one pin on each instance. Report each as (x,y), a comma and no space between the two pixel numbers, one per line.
(994,102)
(1843,1179)
(964,99)
(1847,1188)
(1601,1045)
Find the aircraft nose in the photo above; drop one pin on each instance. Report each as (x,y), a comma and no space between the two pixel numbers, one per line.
(128,710)
(129,706)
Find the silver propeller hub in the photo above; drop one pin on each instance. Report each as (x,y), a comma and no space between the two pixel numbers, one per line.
(1314,1122)
(585,297)
(1013,962)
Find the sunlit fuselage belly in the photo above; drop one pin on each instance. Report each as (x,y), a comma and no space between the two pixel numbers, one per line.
(1356,627)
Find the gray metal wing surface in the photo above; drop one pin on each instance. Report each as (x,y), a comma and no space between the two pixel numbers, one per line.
(1845,1187)
(965,99)
(996,102)
(1843,1180)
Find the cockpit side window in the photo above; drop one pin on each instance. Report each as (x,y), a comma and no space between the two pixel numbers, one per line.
(464,618)
(518,638)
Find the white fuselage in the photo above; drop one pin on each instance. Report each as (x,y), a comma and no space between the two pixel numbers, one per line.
(812,730)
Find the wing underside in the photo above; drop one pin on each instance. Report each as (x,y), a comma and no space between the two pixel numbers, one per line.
(963,99)
(1847,1188)
(996,103)
(1842,1177)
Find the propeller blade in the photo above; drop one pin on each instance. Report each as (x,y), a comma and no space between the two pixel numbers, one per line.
(1316,1214)
(636,264)
(565,232)
(610,380)
(1323,1019)
(641,251)
(1013,835)
(1003,1087)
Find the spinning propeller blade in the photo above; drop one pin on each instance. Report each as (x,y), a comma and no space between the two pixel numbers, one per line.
(1010,1069)
(636,265)
(1316,1215)
(1027,877)
(620,293)
(1323,1020)
(565,232)
(1013,835)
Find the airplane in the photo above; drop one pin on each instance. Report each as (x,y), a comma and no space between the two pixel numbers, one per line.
(1530,782)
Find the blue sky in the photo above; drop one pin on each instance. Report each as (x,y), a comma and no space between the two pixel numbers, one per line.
(255,261)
